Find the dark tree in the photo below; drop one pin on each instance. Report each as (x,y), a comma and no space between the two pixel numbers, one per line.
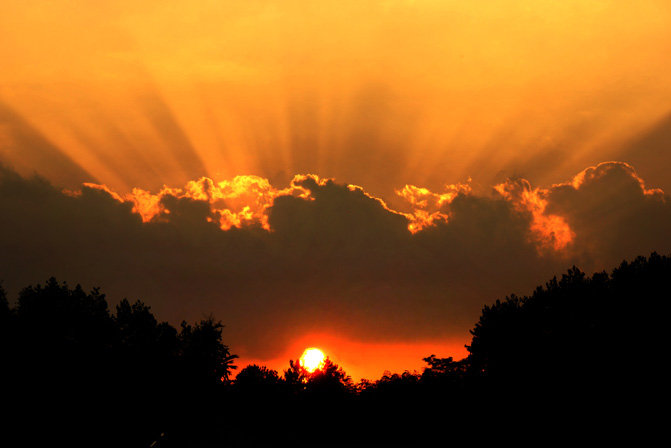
(6,316)
(79,376)
(590,344)
(203,353)
(254,376)
(445,371)
(579,350)
(329,380)
(4,305)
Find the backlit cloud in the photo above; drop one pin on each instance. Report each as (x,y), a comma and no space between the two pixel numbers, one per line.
(547,230)
(316,255)
(429,208)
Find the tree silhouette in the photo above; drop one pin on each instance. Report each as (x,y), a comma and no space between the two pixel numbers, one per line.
(330,379)
(445,371)
(254,376)
(5,315)
(327,379)
(7,346)
(570,338)
(4,305)
(203,352)
(579,346)
(74,370)
(296,376)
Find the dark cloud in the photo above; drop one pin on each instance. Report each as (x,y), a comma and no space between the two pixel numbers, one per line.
(335,259)
(613,213)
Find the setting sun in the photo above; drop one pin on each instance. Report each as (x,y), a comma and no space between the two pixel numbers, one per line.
(312,359)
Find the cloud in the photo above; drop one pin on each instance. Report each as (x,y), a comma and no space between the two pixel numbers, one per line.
(547,230)
(319,256)
(613,213)
(429,207)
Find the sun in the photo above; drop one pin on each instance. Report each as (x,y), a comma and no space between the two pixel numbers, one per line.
(312,359)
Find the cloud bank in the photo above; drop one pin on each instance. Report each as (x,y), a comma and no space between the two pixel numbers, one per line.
(321,256)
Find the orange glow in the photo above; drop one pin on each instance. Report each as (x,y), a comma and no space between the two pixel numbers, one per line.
(366,359)
(237,202)
(550,231)
(245,201)
(373,93)
(241,201)
(429,206)
(600,170)
(312,359)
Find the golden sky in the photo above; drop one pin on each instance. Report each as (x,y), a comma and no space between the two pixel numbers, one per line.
(456,97)
(378,93)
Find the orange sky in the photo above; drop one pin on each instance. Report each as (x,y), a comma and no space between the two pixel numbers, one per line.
(426,92)
(446,95)
(364,360)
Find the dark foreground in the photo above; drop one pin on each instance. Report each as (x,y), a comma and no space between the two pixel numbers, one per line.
(579,361)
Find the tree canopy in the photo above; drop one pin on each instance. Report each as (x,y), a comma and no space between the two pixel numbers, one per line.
(590,344)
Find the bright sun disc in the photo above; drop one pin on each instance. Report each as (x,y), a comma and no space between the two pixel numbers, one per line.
(312,359)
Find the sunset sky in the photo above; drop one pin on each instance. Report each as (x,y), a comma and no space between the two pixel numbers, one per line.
(358,176)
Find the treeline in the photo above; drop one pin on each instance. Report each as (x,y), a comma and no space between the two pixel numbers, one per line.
(580,355)
(72,371)
(581,350)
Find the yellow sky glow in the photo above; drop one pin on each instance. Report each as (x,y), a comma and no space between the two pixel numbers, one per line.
(379,94)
